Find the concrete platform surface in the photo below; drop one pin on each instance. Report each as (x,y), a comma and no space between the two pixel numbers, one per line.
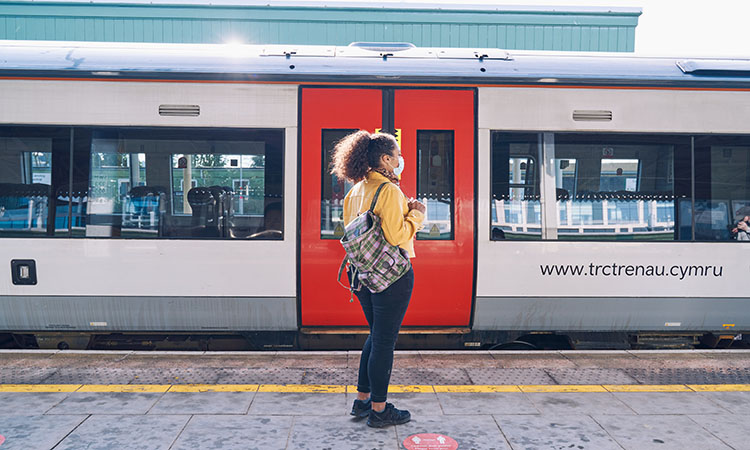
(482,400)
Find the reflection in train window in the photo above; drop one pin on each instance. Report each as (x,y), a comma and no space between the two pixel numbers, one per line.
(333,190)
(186,184)
(435,183)
(722,188)
(516,208)
(31,205)
(619,187)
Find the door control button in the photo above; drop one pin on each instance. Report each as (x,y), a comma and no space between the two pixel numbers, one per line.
(23,271)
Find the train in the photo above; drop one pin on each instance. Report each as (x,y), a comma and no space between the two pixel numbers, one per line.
(177,196)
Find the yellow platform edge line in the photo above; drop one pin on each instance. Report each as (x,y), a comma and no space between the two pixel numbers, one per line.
(39,387)
(214,388)
(647,388)
(719,387)
(305,388)
(351,389)
(538,388)
(147,388)
(477,388)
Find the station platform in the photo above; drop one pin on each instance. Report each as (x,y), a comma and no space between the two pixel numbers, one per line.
(300,400)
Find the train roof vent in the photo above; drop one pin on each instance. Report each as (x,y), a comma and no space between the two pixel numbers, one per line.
(384,50)
(719,67)
(180,110)
(383,46)
(592,115)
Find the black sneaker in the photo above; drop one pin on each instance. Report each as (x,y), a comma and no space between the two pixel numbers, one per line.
(389,416)
(361,409)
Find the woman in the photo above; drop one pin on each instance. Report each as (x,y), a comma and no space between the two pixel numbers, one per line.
(370,160)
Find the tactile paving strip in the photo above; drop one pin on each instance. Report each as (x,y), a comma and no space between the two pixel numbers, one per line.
(345,376)
(261,376)
(429,376)
(690,376)
(177,376)
(24,376)
(91,376)
(590,376)
(330,376)
(508,376)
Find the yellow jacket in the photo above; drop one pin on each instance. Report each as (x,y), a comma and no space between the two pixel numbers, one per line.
(400,225)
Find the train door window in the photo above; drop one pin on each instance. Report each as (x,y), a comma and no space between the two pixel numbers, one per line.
(34,163)
(614,187)
(211,184)
(333,190)
(516,206)
(435,182)
(722,188)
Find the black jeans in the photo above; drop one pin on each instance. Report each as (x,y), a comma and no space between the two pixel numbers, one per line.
(384,312)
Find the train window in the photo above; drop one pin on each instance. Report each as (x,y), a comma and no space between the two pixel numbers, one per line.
(435,182)
(333,190)
(722,188)
(516,207)
(616,187)
(34,181)
(211,184)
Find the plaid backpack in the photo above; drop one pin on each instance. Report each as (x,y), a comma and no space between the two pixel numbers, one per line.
(375,263)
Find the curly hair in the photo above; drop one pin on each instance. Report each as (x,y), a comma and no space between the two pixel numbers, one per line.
(355,154)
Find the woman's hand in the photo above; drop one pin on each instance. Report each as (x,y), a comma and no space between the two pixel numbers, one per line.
(416,204)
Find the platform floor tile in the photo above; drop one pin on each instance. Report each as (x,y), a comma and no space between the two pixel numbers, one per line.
(591,376)
(669,403)
(508,376)
(666,432)
(438,359)
(418,404)
(106,403)
(471,432)
(558,432)
(235,432)
(28,402)
(536,359)
(339,433)
(731,429)
(486,403)
(36,432)
(735,402)
(297,404)
(604,360)
(203,403)
(125,432)
(578,403)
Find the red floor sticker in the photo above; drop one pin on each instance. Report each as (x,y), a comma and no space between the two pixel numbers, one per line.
(430,441)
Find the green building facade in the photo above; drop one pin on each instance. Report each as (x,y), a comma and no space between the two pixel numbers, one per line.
(318,23)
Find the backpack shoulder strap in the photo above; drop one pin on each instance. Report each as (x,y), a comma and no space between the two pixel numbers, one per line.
(377,194)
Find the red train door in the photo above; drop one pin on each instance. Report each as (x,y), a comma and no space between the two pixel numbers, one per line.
(437,141)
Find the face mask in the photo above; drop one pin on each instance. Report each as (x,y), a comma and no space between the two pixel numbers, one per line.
(400,168)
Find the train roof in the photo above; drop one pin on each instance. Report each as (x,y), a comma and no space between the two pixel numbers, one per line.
(366,63)
(333,4)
